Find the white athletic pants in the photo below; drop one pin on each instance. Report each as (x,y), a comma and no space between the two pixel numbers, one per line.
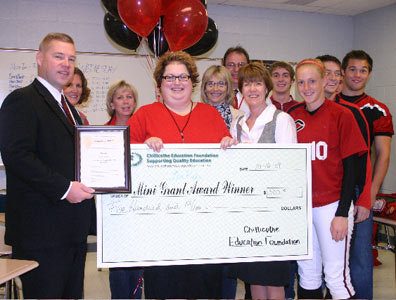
(328,254)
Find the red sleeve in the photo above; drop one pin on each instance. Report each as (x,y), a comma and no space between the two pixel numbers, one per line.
(384,124)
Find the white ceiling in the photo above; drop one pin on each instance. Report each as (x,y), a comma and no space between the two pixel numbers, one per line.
(335,7)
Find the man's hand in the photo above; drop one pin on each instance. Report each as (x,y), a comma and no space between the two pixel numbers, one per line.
(361,213)
(79,192)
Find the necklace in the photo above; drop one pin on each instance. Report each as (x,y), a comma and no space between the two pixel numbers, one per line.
(177,125)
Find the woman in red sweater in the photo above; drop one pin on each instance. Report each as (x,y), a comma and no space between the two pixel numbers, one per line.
(179,120)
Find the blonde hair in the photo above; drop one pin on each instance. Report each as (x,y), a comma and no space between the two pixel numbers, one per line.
(54,36)
(317,63)
(122,84)
(224,74)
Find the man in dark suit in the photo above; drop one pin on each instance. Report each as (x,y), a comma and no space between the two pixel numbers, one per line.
(48,216)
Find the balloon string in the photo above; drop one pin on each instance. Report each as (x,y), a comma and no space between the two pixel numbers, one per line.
(155,44)
(150,64)
(159,37)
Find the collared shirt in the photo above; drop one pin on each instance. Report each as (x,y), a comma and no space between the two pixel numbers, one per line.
(285,131)
(284,106)
(55,93)
(58,97)
(242,106)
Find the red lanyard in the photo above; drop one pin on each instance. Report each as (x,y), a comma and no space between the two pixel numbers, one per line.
(238,106)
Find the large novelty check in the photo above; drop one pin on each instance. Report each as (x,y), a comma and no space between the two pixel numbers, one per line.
(197,204)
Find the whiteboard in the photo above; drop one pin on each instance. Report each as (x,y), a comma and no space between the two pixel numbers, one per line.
(18,68)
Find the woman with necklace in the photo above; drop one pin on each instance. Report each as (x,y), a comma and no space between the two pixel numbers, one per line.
(179,120)
(262,124)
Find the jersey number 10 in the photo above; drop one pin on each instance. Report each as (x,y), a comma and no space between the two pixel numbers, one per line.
(319,150)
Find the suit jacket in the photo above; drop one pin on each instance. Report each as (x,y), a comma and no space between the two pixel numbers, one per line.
(38,150)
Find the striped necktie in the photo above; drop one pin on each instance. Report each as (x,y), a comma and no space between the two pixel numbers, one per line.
(67,111)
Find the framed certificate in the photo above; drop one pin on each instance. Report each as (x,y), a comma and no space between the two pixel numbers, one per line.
(103,158)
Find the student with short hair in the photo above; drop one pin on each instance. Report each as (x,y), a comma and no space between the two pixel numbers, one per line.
(357,67)
(282,74)
(333,75)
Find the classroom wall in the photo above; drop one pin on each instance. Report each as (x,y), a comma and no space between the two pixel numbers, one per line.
(281,35)
(375,32)
(266,33)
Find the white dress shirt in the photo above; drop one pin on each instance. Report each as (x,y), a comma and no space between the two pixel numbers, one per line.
(285,131)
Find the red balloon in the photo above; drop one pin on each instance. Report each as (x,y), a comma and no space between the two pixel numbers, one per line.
(140,16)
(185,23)
(165,5)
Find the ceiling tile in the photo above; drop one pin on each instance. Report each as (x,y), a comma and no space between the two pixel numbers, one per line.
(336,7)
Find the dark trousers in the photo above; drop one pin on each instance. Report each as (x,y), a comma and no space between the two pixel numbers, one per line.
(60,273)
(124,282)
(183,282)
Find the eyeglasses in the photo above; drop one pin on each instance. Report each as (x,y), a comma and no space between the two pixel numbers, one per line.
(172,78)
(212,84)
(232,65)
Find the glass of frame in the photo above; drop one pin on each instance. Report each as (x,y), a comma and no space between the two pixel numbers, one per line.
(103,158)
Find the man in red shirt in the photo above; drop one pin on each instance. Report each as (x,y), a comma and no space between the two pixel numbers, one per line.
(282,74)
(357,67)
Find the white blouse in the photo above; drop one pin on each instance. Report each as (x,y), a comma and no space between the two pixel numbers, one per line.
(285,131)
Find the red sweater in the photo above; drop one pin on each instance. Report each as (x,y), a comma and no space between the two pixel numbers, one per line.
(204,126)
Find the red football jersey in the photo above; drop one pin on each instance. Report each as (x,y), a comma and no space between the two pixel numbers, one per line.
(377,114)
(334,135)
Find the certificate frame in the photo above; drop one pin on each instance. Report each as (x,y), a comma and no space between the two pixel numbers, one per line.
(80,151)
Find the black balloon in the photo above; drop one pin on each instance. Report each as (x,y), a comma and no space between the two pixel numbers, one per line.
(156,40)
(208,40)
(204,2)
(120,33)
(111,6)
